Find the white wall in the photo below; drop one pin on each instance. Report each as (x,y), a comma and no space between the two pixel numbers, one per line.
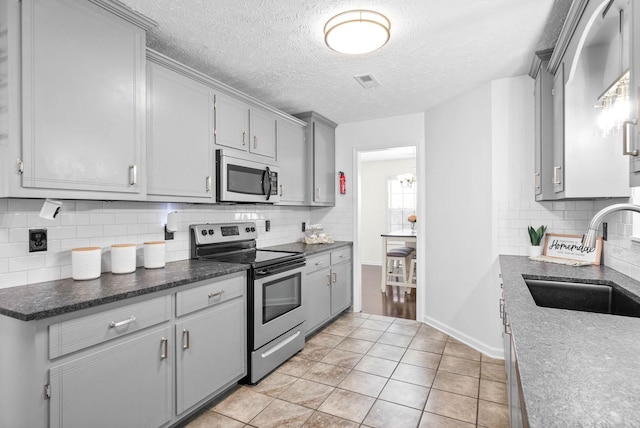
(374,204)
(459,254)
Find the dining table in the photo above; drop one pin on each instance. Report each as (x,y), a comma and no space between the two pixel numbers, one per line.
(407,236)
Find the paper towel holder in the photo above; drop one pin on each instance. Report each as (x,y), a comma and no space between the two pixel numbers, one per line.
(50,209)
(171,226)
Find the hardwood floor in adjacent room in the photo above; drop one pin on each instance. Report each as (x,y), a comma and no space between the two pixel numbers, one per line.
(394,303)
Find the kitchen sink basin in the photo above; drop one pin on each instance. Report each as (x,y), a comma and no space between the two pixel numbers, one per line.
(584,296)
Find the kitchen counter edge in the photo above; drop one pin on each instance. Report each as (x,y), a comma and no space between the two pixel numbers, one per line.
(47,299)
(308,249)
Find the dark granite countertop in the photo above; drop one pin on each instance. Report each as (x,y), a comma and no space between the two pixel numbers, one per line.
(308,249)
(577,369)
(47,299)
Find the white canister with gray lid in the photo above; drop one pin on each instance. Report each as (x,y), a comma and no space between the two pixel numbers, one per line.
(85,263)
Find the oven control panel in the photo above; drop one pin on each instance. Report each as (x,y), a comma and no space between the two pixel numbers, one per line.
(214,233)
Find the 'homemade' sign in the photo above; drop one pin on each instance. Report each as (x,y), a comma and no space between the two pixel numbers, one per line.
(570,247)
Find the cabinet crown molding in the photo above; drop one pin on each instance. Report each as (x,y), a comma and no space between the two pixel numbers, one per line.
(573,18)
(126,13)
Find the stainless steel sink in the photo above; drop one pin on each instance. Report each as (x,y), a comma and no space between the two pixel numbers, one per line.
(584,296)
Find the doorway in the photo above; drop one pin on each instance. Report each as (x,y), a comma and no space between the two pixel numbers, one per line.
(387,196)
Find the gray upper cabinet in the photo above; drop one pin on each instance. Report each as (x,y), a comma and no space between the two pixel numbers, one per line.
(557,176)
(591,55)
(263,133)
(244,127)
(292,153)
(321,159)
(180,134)
(83,82)
(543,153)
(634,85)
(232,122)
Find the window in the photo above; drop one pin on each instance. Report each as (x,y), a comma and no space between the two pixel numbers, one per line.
(401,201)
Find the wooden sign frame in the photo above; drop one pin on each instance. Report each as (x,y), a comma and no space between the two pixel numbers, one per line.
(570,247)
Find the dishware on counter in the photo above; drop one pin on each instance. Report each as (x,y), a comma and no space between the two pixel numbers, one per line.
(154,254)
(85,263)
(123,258)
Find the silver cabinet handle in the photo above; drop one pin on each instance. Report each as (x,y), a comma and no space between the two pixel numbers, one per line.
(501,309)
(535,180)
(164,343)
(625,138)
(185,339)
(318,263)
(244,138)
(219,293)
(335,277)
(255,141)
(329,279)
(318,192)
(281,190)
(207,184)
(133,174)
(555,175)
(114,324)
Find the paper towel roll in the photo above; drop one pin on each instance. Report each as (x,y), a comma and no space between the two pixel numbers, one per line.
(154,254)
(85,263)
(123,258)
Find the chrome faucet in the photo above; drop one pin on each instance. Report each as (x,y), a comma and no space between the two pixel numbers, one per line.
(589,239)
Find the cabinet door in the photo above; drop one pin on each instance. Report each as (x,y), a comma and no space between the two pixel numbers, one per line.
(558,173)
(543,134)
(210,352)
(316,295)
(324,152)
(340,287)
(180,116)
(263,133)
(232,122)
(83,97)
(127,385)
(291,158)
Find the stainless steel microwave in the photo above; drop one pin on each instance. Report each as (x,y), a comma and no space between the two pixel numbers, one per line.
(243,180)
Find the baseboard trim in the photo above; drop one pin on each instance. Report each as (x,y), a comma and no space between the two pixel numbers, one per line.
(490,351)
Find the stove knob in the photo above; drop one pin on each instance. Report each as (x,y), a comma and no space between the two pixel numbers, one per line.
(248,229)
(253,229)
(210,231)
(204,232)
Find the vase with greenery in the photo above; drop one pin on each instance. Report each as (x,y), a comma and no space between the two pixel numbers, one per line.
(535,236)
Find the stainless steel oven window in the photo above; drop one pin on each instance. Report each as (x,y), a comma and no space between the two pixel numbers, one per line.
(281,296)
(245,180)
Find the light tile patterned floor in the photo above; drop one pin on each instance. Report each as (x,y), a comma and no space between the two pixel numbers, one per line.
(372,371)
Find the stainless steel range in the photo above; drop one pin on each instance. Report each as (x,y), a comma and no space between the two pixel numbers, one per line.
(274,289)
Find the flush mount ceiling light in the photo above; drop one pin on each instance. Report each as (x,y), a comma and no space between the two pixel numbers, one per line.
(357,32)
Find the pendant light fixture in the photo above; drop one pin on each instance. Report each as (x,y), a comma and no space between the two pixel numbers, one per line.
(357,32)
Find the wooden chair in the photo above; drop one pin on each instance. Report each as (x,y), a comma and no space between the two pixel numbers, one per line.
(397,263)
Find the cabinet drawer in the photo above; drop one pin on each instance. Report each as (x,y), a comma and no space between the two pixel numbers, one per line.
(79,333)
(210,293)
(341,255)
(318,262)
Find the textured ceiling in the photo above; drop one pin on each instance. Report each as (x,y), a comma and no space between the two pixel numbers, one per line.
(274,50)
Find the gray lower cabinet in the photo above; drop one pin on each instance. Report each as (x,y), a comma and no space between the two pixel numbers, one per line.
(126,385)
(148,361)
(210,352)
(327,288)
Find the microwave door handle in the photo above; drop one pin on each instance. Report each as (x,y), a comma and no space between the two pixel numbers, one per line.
(267,172)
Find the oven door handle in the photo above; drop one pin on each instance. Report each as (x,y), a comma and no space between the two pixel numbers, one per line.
(281,345)
(267,175)
(262,273)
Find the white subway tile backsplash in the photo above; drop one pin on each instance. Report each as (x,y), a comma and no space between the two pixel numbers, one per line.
(35,261)
(44,274)
(100,223)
